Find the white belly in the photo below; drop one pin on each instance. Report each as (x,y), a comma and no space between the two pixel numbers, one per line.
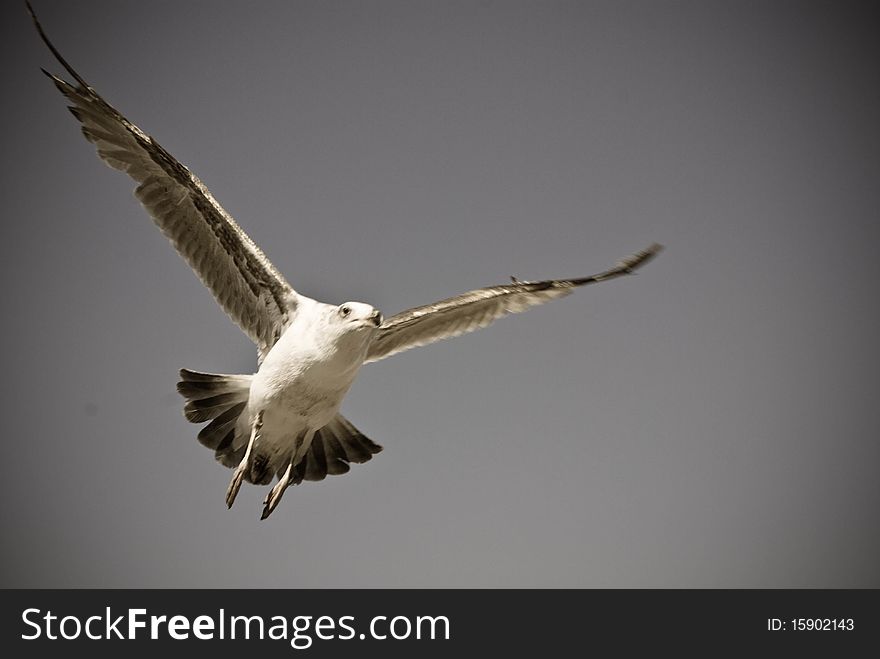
(299,389)
(293,409)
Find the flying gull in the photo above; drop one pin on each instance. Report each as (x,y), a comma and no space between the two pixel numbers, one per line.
(282,421)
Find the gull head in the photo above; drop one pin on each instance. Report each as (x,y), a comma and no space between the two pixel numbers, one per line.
(355,316)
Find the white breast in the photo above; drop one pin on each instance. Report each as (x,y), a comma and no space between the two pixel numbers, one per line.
(303,379)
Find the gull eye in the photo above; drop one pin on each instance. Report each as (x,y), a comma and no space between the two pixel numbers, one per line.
(344,311)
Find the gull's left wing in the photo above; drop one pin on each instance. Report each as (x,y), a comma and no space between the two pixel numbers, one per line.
(479,308)
(245,283)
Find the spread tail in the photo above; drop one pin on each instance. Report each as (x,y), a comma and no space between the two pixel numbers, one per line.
(221,399)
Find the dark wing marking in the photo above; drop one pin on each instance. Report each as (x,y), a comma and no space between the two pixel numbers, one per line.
(241,278)
(480,308)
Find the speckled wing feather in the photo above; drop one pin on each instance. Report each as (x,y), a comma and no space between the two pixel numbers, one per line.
(241,278)
(479,308)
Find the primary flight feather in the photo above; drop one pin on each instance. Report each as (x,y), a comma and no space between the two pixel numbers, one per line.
(283,421)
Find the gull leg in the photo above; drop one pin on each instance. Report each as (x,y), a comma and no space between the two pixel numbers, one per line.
(235,483)
(274,496)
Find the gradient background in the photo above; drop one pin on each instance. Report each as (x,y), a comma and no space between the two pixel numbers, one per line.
(712,422)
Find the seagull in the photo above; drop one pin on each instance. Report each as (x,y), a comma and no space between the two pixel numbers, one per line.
(282,421)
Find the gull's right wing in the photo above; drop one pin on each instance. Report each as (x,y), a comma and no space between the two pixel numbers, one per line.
(241,278)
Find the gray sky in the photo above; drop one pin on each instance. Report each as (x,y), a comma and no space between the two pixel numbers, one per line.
(711,422)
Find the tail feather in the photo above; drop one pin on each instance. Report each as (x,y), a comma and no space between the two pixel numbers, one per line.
(332,449)
(221,429)
(205,409)
(196,386)
(219,399)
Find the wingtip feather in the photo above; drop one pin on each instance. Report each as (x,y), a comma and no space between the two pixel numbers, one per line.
(76,76)
(639,259)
